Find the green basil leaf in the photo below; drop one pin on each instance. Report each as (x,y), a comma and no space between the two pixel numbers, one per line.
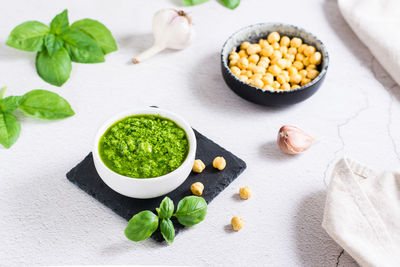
(141,226)
(191,210)
(10,103)
(9,129)
(98,32)
(28,36)
(53,43)
(166,208)
(46,105)
(60,23)
(167,230)
(54,69)
(193,2)
(232,4)
(82,48)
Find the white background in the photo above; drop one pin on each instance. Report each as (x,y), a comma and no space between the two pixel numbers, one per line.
(47,220)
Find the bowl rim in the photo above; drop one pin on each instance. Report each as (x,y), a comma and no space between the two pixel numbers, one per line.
(247,28)
(146,111)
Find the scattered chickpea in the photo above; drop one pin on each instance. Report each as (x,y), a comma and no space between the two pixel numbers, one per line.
(237,223)
(219,162)
(198,165)
(273,37)
(245,192)
(197,188)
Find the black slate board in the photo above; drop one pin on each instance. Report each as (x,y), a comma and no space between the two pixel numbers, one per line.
(85,176)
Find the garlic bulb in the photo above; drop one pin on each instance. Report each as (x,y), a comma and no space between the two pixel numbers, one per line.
(171,29)
(293,140)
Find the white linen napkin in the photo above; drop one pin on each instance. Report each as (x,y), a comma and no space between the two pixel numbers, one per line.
(377,24)
(362,213)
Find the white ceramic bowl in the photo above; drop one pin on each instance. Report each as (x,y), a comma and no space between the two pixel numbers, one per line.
(148,187)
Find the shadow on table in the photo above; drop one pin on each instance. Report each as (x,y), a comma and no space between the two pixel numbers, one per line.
(314,246)
(358,49)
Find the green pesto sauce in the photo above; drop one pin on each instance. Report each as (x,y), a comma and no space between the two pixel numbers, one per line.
(143,146)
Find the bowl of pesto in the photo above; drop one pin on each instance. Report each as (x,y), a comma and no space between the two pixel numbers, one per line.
(144,153)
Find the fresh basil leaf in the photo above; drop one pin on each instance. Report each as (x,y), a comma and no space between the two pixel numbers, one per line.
(60,23)
(141,226)
(53,43)
(28,36)
(232,4)
(10,103)
(82,48)
(167,230)
(9,129)
(46,105)
(166,208)
(98,32)
(193,2)
(191,210)
(54,69)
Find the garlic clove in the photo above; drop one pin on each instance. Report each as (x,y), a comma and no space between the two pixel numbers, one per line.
(293,140)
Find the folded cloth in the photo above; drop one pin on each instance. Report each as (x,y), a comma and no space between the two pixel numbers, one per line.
(377,23)
(362,213)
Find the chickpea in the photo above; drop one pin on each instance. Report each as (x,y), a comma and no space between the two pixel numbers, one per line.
(276,54)
(257,83)
(306,61)
(263,43)
(282,79)
(237,223)
(259,69)
(273,37)
(311,67)
(243,63)
(296,42)
(235,70)
(309,50)
(276,85)
(245,192)
(233,56)
(298,65)
(315,58)
(289,57)
(295,78)
(243,78)
(268,87)
(312,74)
(248,73)
(295,86)
(253,49)
(251,66)
(275,46)
(283,63)
(285,86)
(285,41)
(299,57)
(292,51)
(283,49)
(286,74)
(244,45)
(233,63)
(268,79)
(256,76)
(197,188)
(303,73)
(304,81)
(301,48)
(254,58)
(263,62)
(242,54)
(198,165)
(274,70)
(292,70)
(267,51)
(219,162)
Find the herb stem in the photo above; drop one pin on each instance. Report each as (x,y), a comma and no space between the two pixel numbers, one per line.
(3,90)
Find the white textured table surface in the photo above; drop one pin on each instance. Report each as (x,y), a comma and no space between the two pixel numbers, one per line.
(47,220)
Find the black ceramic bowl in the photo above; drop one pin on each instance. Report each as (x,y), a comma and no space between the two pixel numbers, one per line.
(255,32)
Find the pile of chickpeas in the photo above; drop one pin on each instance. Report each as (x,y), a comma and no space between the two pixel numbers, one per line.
(276,63)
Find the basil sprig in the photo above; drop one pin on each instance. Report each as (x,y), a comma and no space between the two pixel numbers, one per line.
(232,4)
(191,211)
(39,104)
(85,41)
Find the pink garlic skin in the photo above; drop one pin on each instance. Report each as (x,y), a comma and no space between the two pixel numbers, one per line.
(293,140)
